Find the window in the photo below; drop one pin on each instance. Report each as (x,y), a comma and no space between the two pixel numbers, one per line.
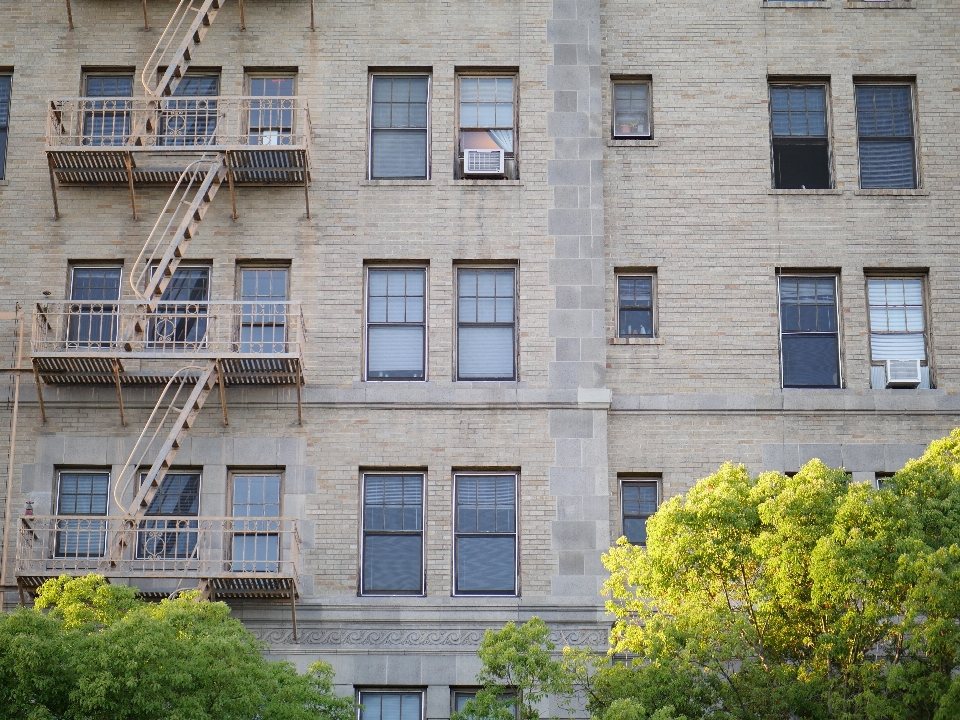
(486,324)
(263,314)
(180,320)
(399,126)
(486,534)
(392,534)
(93,317)
(462,697)
(631,110)
(82,493)
(396,323)
(170,533)
(885,133)
(107,121)
(809,334)
(487,123)
(185,122)
(396,705)
(897,327)
(801,150)
(639,500)
(256,543)
(635,306)
(4,122)
(271,118)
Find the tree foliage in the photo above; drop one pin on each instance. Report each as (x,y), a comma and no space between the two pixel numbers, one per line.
(91,650)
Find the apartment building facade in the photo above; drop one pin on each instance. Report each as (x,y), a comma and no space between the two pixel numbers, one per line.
(382,320)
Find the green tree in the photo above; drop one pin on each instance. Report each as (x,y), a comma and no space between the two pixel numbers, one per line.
(99,653)
(775,597)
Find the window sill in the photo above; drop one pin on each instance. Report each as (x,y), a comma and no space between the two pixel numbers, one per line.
(636,341)
(4,183)
(626,142)
(388,183)
(902,192)
(485,182)
(881,5)
(828,191)
(794,4)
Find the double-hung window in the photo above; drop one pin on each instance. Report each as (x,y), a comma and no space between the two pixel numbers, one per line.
(886,136)
(635,306)
(106,115)
(85,494)
(93,318)
(485,543)
(256,512)
(639,500)
(809,331)
(4,122)
(396,323)
(390,705)
(399,126)
(270,119)
(180,320)
(897,329)
(190,116)
(486,324)
(487,122)
(392,534)
(631,109)
(170,529)
(263,314)
(801,147)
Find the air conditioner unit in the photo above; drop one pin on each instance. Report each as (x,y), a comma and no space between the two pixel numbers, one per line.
(903,373)
(483,162)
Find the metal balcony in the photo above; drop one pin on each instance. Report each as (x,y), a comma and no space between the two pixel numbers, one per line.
(229,557)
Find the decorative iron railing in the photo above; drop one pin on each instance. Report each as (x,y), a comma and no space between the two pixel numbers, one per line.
(198,329)
(179,123)
(158,546)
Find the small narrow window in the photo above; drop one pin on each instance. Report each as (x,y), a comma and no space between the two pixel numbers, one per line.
(631,110)
(84,494)
(801,149)
(809,332)
(639,500)
(256,537)
(171,529)
(264,308)
(392,534)
(885,132)
(396,323)
(486,324)
(93,313)
(487,119)
(399,126)
(271,114)
(486,534)
(4,122)
(635,309)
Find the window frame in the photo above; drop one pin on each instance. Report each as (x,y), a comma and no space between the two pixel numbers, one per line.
(511,158)
(515,474)
(79,312)
(801,82)
(243,266)
(196,108)
(911,85)
(249,75)
(122,109)
(400,72)
(637,274)
(60,514)
(178,310)
(5,76)
(470,692)
(644,479)
(839,331)
(360,691)
(515,324)
(616,80)
(167,525)
(922,276)
(422,474)
(367,323)
(242,530)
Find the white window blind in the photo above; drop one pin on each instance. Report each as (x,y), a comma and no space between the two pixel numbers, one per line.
(896,319)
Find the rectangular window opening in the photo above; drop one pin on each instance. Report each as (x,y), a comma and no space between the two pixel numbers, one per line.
(93,317)
(799,133)
(399,126)
(485,527)
(189,117)
(390,705)
(636,305)
(4,122)
(809,331)
(487,112)
(263,310)
(392,534)
(271,115)
(632,109)
(86,494)
(640,498)
(180,321)
(396,323)
(256,511)
(898,332)
(170,531)
(885,131)
(486,323)
(106,114)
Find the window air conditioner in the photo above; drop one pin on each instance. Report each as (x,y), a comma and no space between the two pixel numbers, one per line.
(483,162)
(903,373)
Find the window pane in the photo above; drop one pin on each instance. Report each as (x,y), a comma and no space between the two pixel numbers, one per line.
(898,346)
(399,154)
(486,564)
(395,352)
(179,494)
(392,563)
(635,530)
(485,352)
(390,706)
(810,361)
(887,164)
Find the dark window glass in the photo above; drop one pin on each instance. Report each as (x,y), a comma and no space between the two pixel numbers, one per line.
(180,320)
(191,122)
(635,303)
(485,325)
(390,706)
(885,130)
(809,334)
(82,493)
(639,503)
(4,121)
(107,121)
(486,534)
(256,543)
(175,537)
(631,110)
(801,152)
(462,697)
(396,323)
(263,292)
(393,534)
(93,314)
(398,135)
(271,120)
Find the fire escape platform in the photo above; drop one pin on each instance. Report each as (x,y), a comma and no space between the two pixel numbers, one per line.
(65,370)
